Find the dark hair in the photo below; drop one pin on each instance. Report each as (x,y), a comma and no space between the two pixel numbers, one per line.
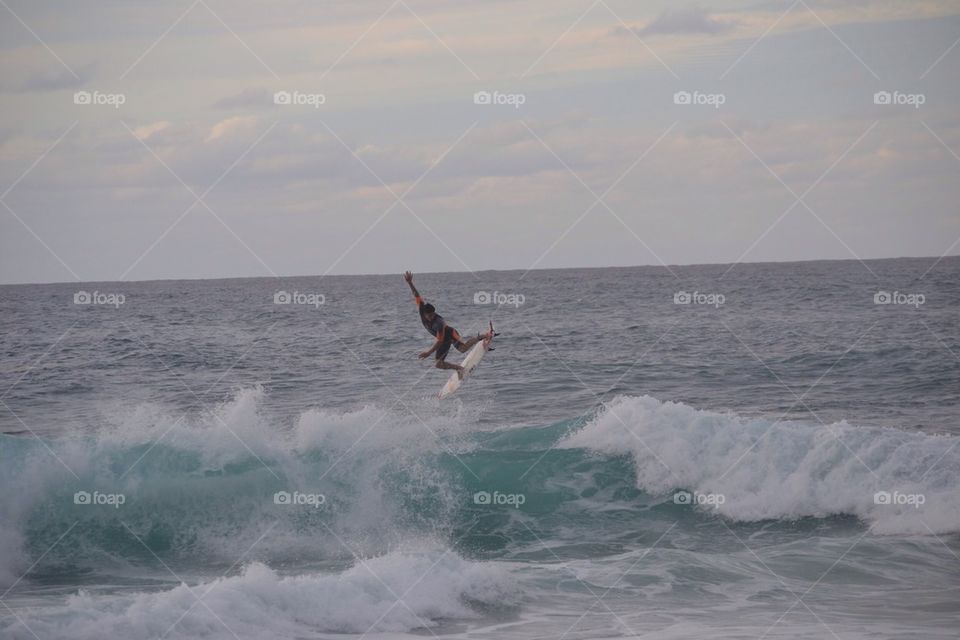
(429,308)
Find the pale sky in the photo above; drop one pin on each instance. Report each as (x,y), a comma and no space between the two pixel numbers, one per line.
(588,161)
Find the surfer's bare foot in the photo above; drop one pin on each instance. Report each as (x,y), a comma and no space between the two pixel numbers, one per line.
(460,372)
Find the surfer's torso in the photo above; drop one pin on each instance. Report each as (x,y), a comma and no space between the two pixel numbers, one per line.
(434,326)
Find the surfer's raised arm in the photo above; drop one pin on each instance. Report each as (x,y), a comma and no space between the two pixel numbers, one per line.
(416,294)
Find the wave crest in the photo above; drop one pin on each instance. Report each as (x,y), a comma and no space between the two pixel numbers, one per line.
(783,470)
(398,592)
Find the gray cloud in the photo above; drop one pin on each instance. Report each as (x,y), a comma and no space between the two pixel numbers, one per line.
(252,98)
(57,80)
(690,20)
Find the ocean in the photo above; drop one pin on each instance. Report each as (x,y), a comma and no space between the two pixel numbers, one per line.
(755,451)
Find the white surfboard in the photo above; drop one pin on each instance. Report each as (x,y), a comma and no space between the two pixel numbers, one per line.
(474,356)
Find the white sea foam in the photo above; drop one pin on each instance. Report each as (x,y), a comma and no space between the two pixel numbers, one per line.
(786,470)
(401,591)
(212,476)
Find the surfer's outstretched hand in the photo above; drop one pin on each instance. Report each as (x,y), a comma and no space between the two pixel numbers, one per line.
(408,277)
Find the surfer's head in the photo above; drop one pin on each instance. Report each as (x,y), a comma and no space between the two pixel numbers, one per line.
(429,311)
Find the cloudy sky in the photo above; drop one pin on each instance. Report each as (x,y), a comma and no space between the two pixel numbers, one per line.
(145,140)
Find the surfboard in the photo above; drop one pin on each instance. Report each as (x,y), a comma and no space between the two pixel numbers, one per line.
(474,356)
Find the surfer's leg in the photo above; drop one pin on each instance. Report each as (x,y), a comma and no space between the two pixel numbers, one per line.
(445,343)
(443,364)
(463,346)
(450,338)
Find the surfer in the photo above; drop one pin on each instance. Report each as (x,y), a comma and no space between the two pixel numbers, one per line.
(446,336)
